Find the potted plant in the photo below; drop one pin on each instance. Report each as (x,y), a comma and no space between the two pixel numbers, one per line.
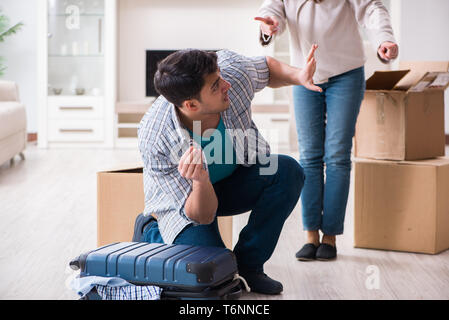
(5,31)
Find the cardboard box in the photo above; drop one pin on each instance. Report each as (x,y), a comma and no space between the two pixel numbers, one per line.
(120,199)
(402,118)
(402,205)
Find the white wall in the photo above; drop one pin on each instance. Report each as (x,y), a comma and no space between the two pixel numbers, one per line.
(178,24)
(19,52)
(424,34)
(424,27)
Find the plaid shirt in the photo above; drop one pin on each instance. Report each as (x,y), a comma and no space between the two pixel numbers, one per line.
(130,292)
(163,140)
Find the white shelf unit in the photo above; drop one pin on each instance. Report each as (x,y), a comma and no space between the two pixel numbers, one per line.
(272,110)
(75,119)
(127,119)
(76,49)
(273,122)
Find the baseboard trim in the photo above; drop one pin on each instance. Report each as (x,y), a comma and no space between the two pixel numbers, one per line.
(32,137)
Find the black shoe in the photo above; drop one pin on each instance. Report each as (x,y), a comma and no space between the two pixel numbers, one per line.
(307,253)
(259,282)
(326,252)
(139,225)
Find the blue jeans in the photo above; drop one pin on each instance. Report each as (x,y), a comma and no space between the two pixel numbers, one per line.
(325,124)
(270,198)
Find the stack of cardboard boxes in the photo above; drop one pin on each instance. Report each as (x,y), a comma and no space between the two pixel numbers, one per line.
(401,197)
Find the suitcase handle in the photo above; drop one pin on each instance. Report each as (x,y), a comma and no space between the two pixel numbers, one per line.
(79,263)
(75,264)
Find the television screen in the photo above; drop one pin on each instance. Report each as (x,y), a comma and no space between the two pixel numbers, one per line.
(153,58)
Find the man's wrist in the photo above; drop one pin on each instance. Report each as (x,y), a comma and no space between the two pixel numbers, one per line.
(203,180)
(297,78)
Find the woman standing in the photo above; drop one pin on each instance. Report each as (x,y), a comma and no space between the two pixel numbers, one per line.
(325,121)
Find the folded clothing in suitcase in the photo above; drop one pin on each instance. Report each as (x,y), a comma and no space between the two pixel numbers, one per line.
(183,271)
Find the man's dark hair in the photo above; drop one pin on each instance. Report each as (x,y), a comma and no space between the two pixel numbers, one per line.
(180,76)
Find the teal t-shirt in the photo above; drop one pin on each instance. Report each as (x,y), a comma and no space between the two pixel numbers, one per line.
(219,153)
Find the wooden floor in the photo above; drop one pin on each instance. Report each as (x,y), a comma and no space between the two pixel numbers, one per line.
(48,216)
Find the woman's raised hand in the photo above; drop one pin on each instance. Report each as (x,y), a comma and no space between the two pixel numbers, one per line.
(269,25)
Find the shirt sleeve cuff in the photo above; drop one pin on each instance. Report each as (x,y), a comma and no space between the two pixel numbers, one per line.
(184,215)
(383,37)
(264,39)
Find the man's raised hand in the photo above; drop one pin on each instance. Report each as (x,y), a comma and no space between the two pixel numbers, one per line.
(191,165)
(306,74)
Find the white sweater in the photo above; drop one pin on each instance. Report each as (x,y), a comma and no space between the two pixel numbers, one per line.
(333,25)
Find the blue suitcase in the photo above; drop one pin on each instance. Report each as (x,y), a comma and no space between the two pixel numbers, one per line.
(182,271)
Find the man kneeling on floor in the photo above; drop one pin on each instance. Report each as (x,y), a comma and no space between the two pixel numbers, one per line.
(204,157)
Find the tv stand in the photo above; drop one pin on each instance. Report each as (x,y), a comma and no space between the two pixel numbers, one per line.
(127,118)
